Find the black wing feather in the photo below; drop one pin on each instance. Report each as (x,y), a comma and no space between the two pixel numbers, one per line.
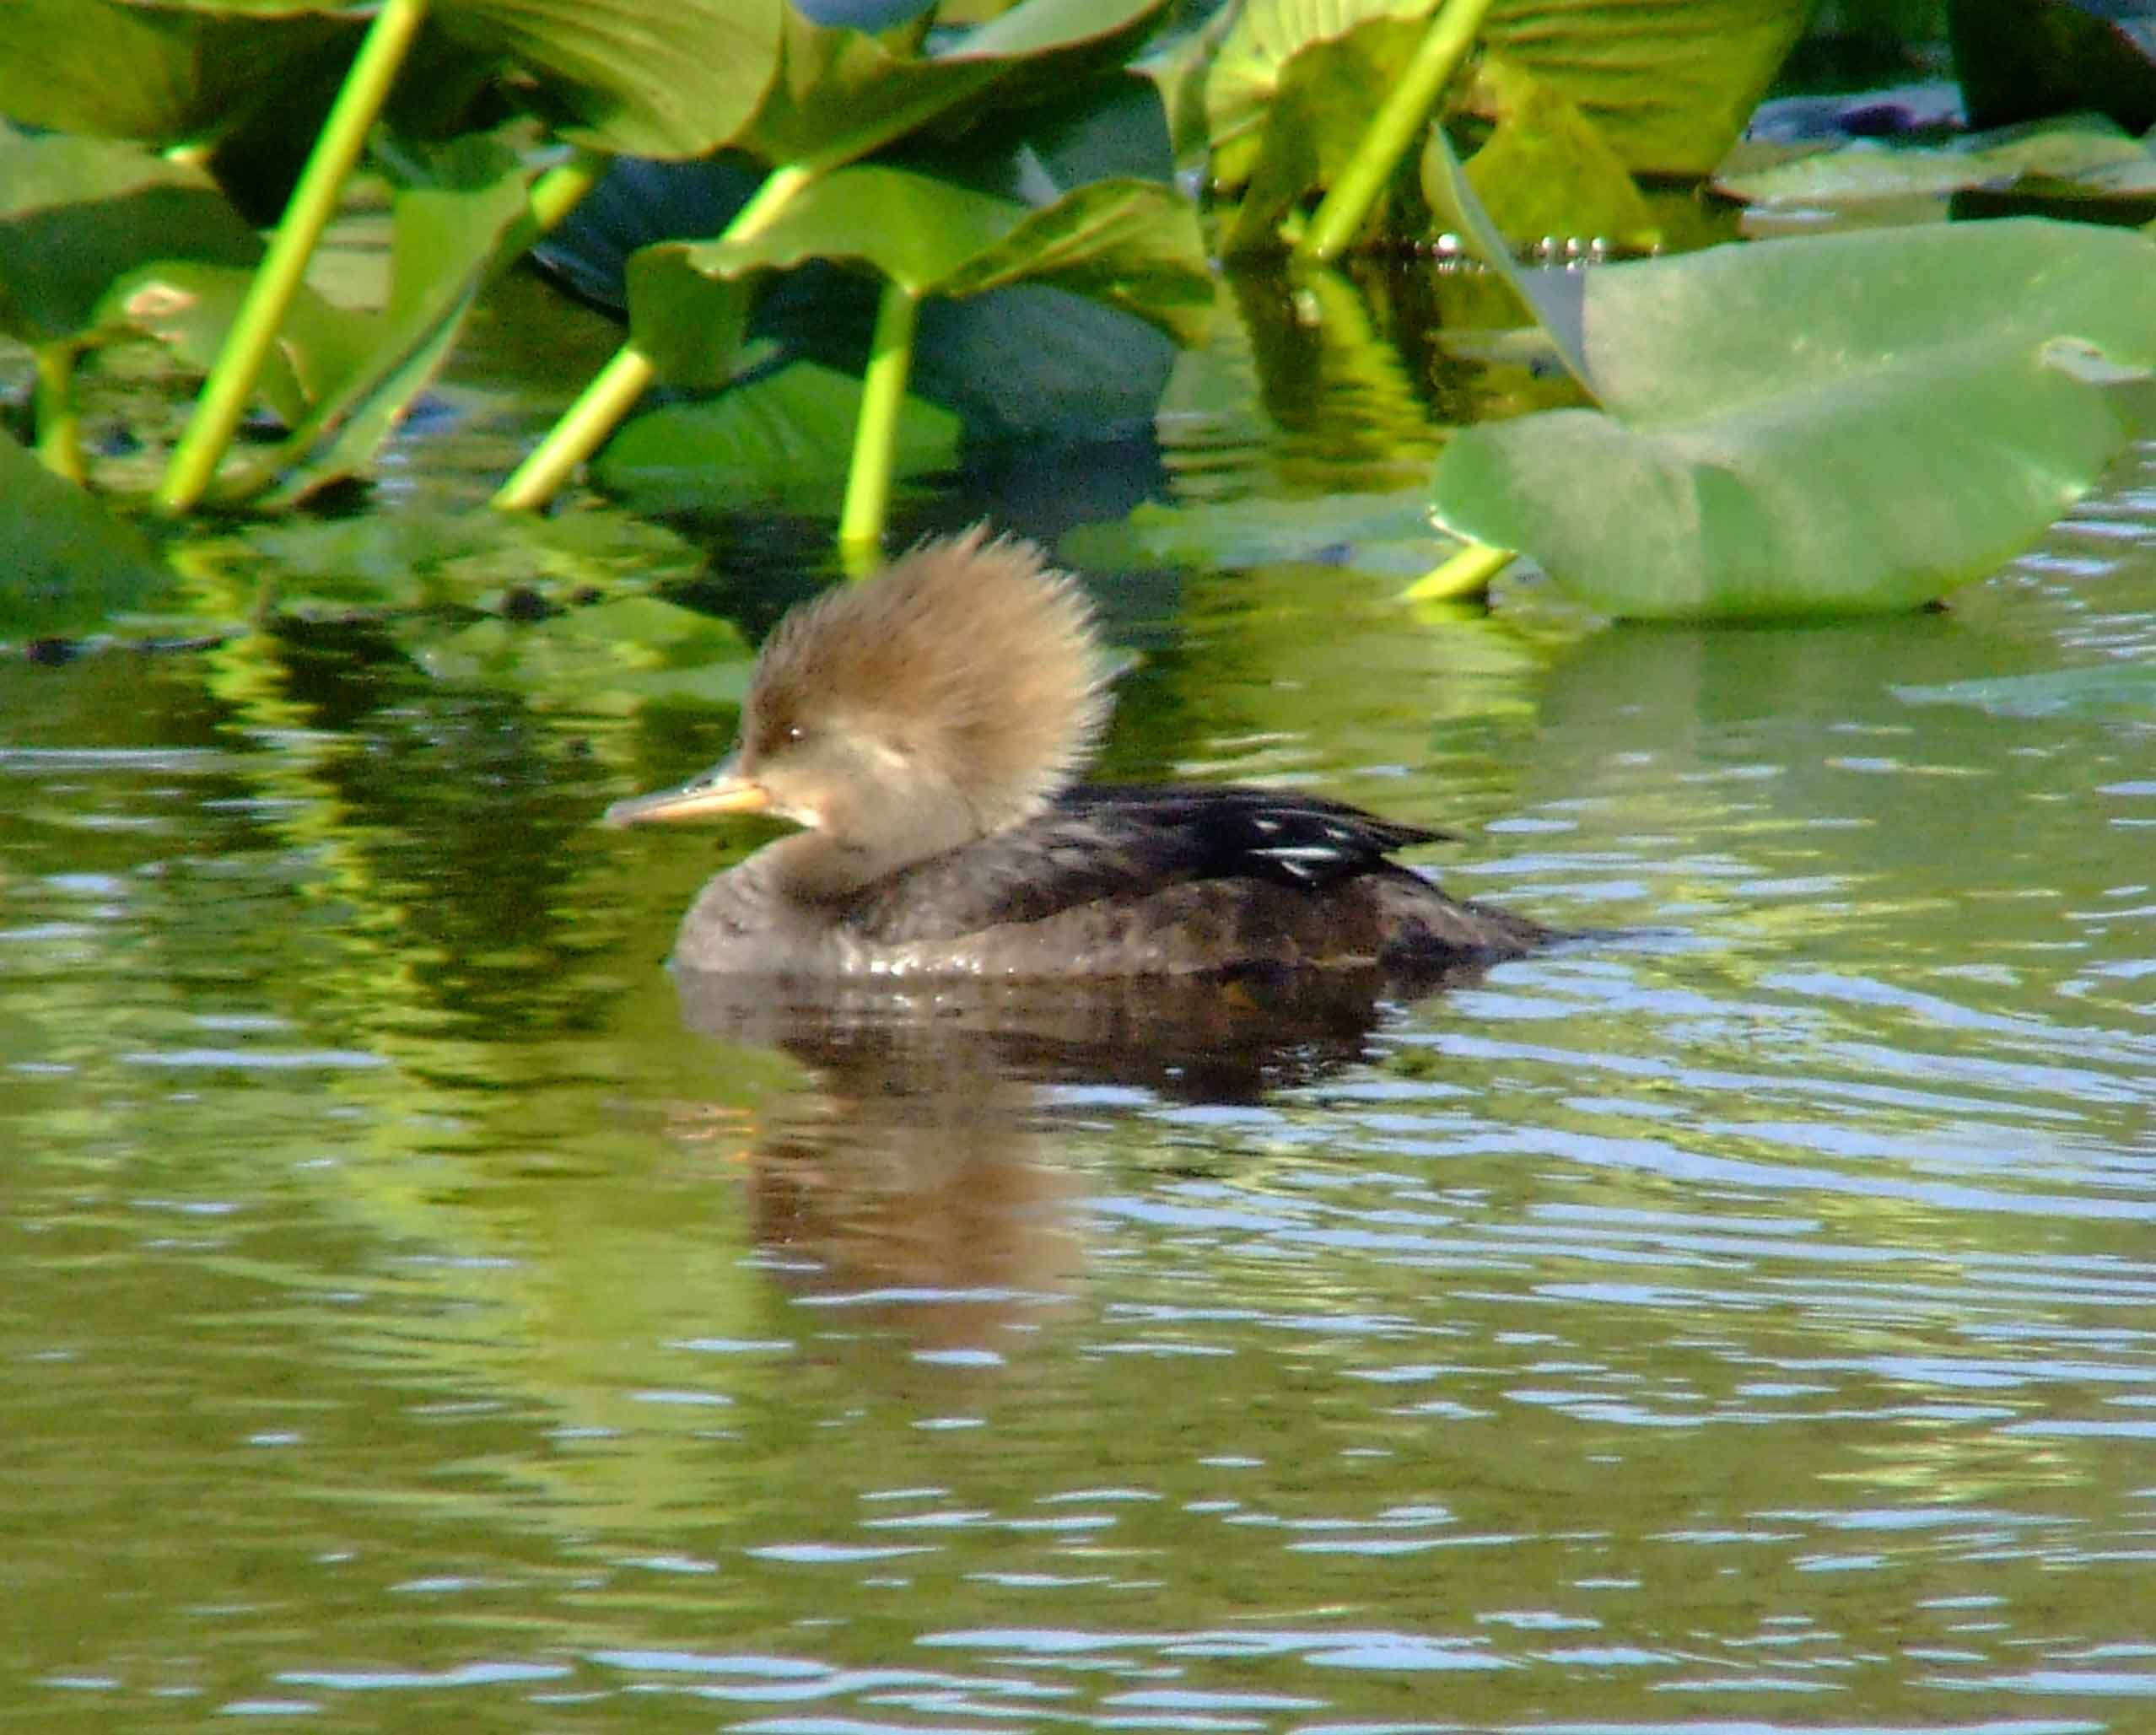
(1107,840)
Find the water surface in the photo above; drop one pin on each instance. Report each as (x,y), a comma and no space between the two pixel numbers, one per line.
(1738,1319)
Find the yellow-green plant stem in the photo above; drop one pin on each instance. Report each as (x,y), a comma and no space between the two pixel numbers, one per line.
(1468,572)
(314,201)
(583,428)
(1392,131)
(612,393)
(557,193)
(55,414)
(876,434)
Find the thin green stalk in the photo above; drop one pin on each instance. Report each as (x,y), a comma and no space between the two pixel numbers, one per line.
(581,431)
(777,192)
(613,393)
(875,435)
(1392,131)
(231,382)
(1466,573)
(56,415)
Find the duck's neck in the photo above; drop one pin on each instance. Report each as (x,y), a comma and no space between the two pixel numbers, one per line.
(821,868)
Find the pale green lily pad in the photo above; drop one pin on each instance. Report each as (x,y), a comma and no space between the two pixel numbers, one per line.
(785,440)
(612,657)
(1842,424)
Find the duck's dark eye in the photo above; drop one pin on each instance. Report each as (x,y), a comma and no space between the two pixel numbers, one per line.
(793,734)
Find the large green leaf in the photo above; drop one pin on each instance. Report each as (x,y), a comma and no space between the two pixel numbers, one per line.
(66,563)
(659,78)
(1130,243)
(1837,424)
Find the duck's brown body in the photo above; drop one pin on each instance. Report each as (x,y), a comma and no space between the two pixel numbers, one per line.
(925,726)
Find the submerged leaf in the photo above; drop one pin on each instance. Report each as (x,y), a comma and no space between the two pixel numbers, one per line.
(612,656)
(1841,425)
(490,560)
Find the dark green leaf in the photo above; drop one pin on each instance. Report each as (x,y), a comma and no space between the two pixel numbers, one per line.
(67,564)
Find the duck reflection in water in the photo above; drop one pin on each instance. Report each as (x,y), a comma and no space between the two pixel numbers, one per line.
(960,919)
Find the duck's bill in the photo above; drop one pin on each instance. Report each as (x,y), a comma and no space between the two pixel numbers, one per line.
(721,791)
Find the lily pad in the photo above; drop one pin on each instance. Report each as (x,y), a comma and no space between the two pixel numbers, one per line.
(783,439)
(1841,425)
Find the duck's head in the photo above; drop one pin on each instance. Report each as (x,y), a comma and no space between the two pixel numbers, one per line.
(952,696)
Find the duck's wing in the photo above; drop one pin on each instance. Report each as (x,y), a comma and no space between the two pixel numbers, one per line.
(1106,841)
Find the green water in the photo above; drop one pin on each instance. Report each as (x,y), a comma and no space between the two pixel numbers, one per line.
(1738,1319)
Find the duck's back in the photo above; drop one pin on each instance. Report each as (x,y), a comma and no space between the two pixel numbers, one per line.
(1165,880)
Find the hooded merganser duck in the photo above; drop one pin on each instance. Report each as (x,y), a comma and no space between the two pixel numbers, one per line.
(928,728)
